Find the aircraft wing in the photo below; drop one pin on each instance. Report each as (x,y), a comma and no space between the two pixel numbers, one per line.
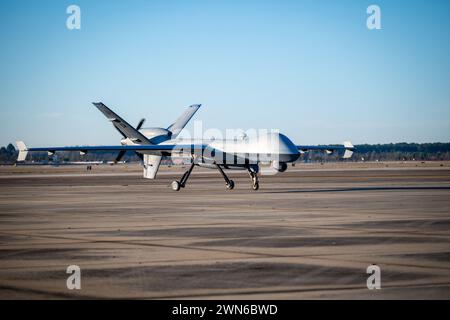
(162,150)
(121,125)
(347,147)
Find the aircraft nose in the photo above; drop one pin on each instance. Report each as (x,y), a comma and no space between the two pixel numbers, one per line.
(288,150)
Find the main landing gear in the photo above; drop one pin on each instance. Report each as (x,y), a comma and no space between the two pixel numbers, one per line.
(229,183)
(252,171)
(177,185)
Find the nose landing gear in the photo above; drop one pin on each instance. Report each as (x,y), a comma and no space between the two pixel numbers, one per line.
(255,180)
(253,172)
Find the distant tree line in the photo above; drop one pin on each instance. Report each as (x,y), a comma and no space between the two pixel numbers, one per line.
(8,154)
(364,152)
(390,152)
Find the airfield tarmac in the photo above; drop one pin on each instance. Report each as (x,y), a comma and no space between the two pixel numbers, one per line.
(310,232)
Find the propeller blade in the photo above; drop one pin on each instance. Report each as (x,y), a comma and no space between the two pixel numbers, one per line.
(140,124)
(120,156)
(122,153)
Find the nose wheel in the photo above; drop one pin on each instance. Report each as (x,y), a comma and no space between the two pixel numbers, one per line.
(254,177)
(255,186)
(255,182)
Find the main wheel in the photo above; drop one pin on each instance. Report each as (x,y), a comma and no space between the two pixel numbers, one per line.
(176,186)
(230,186)
(255,186)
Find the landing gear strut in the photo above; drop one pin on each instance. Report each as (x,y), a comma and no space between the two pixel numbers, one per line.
(176,185)
(254,176)
(229,183)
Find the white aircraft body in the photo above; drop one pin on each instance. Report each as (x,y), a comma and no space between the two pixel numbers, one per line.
(151,144)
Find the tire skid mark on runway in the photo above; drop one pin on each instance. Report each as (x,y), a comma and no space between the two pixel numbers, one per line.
(138,243)
(216,294)
(257,255)
(370,261)
(269,224)
(394,233)
(343,288)
(324,257)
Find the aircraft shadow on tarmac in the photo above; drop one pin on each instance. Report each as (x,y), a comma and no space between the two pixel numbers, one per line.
(355,189)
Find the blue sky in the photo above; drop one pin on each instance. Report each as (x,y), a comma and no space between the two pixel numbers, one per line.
(309,68)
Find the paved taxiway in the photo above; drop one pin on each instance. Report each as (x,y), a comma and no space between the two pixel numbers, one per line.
(308,233)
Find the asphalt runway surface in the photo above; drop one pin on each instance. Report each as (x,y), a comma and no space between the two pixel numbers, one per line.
(304,234)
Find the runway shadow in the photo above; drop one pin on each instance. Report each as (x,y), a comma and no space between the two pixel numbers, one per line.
(353,189)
